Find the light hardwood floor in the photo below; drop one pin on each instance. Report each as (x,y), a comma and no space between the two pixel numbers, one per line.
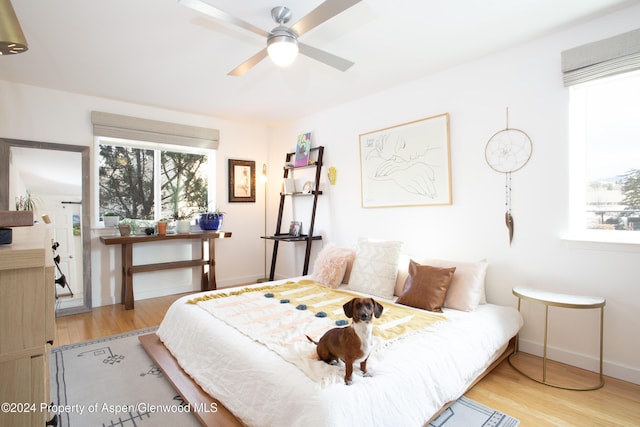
(534,404)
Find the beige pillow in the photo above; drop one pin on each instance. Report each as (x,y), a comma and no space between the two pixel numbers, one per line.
(426,286)
(467,288)
(331,264)
(375,268)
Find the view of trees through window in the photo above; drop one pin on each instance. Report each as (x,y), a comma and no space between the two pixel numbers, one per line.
(609,111)
(128,178)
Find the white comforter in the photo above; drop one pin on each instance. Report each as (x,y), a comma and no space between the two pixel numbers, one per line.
(410,381)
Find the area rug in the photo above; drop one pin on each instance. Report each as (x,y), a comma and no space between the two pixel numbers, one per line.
(468,413)
(112,382)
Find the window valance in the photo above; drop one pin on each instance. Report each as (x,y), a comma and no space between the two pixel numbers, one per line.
(126,127)
(603,58)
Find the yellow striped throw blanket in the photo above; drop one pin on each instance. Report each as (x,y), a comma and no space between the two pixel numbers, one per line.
(279,317)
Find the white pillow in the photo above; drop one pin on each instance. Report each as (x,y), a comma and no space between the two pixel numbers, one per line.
(466,290)
(375,267)
(331,264)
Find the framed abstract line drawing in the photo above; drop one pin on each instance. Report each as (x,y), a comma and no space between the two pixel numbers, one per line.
(242,181)
(407,164)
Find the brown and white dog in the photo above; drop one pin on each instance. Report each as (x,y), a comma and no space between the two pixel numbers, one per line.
(351,343)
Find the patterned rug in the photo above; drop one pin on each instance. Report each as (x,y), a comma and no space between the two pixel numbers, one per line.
(468,413)
(112,382)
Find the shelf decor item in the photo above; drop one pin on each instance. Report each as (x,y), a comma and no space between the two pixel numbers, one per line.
(111,219)
(289,185)
(211,220)
(162,227)
(295,227)
(307,188)
(125,230)
(302,150)
(183,226)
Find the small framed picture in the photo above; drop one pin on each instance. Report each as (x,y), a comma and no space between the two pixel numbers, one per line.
(242,180)
(295,228)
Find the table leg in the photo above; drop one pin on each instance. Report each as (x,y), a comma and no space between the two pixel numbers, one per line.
(127,276)
(601,344)
(517,344)
(212,265)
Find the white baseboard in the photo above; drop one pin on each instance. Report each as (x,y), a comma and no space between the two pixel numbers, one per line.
(588,362)
(161,292)
(177,289)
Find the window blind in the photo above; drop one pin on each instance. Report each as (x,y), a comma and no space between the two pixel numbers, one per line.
(126,127)
(603,58)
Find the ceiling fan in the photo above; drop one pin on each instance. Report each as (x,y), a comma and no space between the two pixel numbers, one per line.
(282,42)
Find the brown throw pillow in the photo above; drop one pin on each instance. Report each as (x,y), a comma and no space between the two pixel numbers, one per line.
(426,286)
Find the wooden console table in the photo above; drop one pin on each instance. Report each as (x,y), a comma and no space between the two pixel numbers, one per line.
(128,269)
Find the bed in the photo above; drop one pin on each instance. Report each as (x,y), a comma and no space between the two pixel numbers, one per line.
(263,374)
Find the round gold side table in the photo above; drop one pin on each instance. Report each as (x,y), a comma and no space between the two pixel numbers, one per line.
(563,301)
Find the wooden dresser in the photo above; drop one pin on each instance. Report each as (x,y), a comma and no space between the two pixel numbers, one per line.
(27,326)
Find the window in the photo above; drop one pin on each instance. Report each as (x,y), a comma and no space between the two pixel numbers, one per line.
(151,181)
(605,154)
(604,138)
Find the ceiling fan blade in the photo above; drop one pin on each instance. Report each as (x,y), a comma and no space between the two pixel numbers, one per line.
(325,57)
(207,9)
(248,64)
(322,13)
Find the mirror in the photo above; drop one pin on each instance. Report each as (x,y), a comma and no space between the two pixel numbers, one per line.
(61,170)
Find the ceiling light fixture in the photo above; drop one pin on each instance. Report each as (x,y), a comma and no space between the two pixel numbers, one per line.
(282,47)
(282,43)
(12,38)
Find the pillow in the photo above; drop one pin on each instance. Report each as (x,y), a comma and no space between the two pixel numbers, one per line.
(331,265)
(466,291)
(467,287)
(375,268)
(426,286)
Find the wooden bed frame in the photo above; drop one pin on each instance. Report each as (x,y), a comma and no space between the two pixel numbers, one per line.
(202,403)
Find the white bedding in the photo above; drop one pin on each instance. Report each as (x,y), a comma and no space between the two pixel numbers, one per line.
(410,381)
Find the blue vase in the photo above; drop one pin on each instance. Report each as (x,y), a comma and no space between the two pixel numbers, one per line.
(210,221)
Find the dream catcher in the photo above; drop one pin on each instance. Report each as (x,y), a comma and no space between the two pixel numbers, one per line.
(508,151)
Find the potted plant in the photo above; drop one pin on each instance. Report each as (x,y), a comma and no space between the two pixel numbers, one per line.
(161,227)
(111,219)
(183,223)
(211,220)
(127,227)
(25,203)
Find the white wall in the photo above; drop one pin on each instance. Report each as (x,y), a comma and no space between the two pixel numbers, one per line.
(528,81)
(38,114)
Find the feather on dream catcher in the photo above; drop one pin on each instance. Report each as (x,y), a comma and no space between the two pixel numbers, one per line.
(508,151)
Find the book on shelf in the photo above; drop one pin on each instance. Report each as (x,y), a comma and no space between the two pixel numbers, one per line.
(302,149)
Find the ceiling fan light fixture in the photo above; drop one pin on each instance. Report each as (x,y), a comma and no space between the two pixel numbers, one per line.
(282,49)
(12,39)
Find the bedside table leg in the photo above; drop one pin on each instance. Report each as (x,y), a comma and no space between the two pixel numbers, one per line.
(517,346)
(601,344)
(546,330)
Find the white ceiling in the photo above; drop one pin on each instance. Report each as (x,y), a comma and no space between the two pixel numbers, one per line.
(160,53)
